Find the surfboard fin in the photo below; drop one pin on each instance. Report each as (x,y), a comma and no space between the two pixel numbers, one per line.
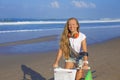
(88,75)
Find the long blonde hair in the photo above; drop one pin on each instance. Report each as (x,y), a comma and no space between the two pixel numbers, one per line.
(64,42)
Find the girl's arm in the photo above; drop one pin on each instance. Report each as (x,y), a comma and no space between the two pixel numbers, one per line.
(84,48)
(58,57)
(85,59)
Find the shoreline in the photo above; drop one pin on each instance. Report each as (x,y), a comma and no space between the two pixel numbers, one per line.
(37,43)
(30,41)
(27,46)
(103,57)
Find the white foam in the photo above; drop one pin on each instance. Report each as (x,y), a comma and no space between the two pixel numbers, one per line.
(32,22)
(101,27)
(99,21)
(56,22)
(34,30)
(28,30)
(9,31)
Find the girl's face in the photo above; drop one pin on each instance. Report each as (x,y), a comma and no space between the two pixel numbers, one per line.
(72,25)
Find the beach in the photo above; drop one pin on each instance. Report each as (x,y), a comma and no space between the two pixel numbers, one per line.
(103,58)
(31,32)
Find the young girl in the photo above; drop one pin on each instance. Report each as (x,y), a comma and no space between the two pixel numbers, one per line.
(71,36)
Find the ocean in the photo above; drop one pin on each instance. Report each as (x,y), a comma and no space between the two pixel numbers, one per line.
(96,32)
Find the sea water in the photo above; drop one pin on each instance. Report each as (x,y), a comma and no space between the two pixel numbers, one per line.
(96,32)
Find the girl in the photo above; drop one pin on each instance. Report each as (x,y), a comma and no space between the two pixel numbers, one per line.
(71,36)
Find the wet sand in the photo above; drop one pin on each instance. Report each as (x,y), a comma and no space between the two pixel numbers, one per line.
(104,58)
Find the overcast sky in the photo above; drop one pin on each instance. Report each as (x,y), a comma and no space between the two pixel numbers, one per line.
(42,9)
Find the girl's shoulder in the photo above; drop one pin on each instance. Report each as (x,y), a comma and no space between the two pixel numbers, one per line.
(82,35)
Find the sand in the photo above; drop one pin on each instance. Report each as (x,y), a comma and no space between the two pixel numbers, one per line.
(103,57)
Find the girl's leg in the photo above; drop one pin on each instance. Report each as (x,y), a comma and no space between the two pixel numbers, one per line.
(79,74)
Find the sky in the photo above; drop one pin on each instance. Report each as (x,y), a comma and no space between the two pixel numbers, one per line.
(58,9)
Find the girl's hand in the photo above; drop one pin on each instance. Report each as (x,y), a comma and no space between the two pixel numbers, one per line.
(55,65)
(85,66)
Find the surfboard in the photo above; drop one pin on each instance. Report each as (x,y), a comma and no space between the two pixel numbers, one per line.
(88,75)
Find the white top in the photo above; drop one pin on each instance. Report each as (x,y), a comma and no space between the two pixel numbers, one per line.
(76,42)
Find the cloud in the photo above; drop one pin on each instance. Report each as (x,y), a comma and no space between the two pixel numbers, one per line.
(55,4)
(82,4)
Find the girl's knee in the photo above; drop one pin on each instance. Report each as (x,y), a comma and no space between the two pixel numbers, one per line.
(79,74)
(80,71)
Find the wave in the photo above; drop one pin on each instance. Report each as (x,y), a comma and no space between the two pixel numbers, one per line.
(8,31)
(32,22)
(102,27)
(28,30)
(35,30)
(56,22)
